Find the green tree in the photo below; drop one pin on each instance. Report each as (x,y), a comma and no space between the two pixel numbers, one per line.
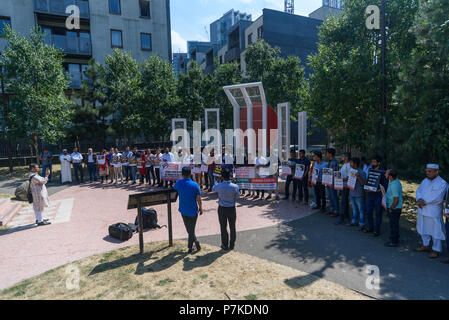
(424,93)
(159,99)
(36,83)
(283,78)
(346,80)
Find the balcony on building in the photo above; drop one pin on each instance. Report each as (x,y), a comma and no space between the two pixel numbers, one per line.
(70,42)
(58,7)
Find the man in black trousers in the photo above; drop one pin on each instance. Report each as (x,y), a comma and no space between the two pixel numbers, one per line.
(228,193)
(190,205)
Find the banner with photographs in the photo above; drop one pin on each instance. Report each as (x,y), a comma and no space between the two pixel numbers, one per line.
(248,179)
(352,179)
(299,172)
(328,177)
(338,181)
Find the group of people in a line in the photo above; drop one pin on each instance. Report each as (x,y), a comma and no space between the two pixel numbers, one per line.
(368,205)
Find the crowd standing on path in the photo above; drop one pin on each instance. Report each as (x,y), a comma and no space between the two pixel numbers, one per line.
(369,200)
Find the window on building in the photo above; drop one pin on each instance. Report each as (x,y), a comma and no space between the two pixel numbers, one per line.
(221,59)
(145,41)
(145,8)
(260,32)
(116,39)
(250,39)
(4,21)
(115,7)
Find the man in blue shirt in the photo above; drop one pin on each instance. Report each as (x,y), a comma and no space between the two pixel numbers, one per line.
(394,206)
(189,205)
(47,162)
(228,193)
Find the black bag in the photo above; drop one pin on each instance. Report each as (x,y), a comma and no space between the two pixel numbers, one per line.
(122,231)
(29,194)
(149,219)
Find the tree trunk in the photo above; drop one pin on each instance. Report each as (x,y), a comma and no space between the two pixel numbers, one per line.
(10,162)
(36,147)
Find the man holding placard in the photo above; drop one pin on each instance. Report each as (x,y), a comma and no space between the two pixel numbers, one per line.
(317,176)
(303,177)
(356,182)
(292,162)
(332,167)
(344,173)
(376,177)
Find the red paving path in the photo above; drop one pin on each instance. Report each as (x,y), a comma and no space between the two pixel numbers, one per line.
(28,252)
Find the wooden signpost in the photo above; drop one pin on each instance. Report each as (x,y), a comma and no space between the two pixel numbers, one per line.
(153,198)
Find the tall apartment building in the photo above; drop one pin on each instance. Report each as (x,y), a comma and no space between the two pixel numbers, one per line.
(141,27)
(219,28)
(180,63)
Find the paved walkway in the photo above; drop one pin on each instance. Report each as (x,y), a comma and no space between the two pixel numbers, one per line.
(341,254)
(81,216)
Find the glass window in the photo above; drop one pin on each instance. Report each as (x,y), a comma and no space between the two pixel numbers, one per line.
(116,39)
(47,36)
(145,40)
(114,6)
(3,22)
(250,39)
(144,8)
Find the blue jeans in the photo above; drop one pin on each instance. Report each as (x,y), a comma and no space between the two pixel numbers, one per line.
(333,200)
(92,167)
(374,202)
(211,179)
(358,211)
(132,170)
(44,169)
(126,173)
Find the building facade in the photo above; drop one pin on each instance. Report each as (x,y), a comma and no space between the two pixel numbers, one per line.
(329,8)
(219,28)
(180,63)
(141,27)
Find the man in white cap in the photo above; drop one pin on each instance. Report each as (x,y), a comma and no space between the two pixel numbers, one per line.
(430,197)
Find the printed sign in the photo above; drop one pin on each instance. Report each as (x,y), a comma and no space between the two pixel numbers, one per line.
(170,171)
(139,163)
(299,172)
(328,177)
(101,159)
(204,168)
(133,159)
(352,179)
(217,171)
(246,179)
(373,181)
(196,169)
(338,181)
(286,169)
(124,158)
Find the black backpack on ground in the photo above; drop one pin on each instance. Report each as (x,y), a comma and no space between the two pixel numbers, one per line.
(122,231)
(149,217)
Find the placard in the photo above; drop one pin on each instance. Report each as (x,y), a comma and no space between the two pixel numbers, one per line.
(132,159)
(204,168)
(196,170)
(328,177)
(101,159)
(139,163)
(170,171)
(217,171)
(352,179)
(373,180)
(286,170)
(246,179)
(299,172)
(338,181)
(315,174)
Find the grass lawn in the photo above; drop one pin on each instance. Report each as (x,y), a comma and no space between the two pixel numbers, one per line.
(23,171)
(170,274)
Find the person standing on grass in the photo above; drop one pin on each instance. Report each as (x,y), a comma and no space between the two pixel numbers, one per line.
(356,196)
(190,205)
(39,193)
(228,193)
(429,197)
(47,162)
(344,207)
(77,162)
(394,206)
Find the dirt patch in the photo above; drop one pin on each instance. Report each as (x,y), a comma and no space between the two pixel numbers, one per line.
(170,273)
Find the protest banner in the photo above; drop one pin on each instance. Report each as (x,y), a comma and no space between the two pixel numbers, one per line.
(170,171)
(328,177)
(299,172)
(338,181)
(204,168)
(373,180)
(247,179)
(352,179)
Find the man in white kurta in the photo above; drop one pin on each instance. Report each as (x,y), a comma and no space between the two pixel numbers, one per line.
(430,197)
(66,171)
(40,194)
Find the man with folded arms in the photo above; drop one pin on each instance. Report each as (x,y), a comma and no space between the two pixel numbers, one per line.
(429,197)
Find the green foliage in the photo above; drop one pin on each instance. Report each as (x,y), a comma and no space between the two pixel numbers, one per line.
(283,78)
(36,82)
(346,80)
(424,93)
